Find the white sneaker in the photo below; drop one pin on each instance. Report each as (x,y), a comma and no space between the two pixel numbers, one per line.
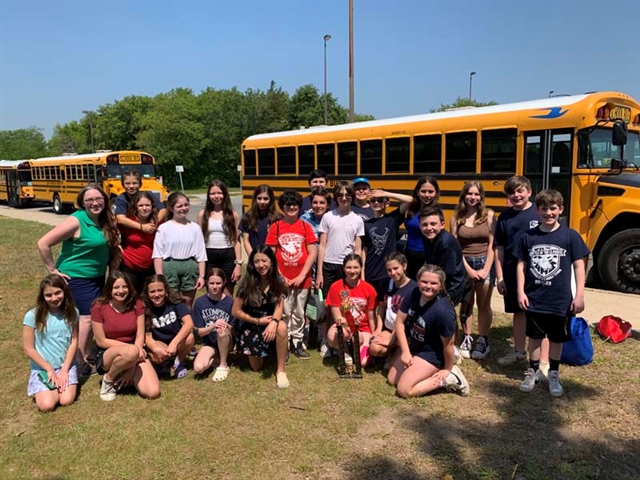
(108,390)
(457,382)
(555,386)
(465,346)
(325,350)
(512,358)
(531,379)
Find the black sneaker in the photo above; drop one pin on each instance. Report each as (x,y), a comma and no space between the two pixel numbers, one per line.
(301,353)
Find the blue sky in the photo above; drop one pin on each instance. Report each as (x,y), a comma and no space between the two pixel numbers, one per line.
(58,58)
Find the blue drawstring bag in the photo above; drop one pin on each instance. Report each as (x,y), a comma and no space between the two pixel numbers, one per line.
(578,351)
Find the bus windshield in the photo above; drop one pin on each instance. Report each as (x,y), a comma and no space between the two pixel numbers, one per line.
(147,171)
(596,149)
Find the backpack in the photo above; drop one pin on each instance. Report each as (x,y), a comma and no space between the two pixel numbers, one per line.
(315,309)
(613,328)
(579,350)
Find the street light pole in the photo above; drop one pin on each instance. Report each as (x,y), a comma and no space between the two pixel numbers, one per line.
(470,86)
(351,94)
(90,113)
(326,38)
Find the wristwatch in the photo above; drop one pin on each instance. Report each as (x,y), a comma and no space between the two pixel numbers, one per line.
(237,262)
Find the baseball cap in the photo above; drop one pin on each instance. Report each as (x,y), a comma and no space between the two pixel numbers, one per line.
(361,180)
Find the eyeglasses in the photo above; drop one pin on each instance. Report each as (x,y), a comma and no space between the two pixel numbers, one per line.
(378,200)
(343,195)
(91,201)
(291,205)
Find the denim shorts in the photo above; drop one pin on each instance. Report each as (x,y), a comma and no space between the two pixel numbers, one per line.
(477,263)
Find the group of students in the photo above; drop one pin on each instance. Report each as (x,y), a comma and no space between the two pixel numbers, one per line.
(144,317)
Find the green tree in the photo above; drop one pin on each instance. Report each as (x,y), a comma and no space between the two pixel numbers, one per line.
(23,143)
(462,102)
(173,132)
(307,109)
(72,137)
(118,125)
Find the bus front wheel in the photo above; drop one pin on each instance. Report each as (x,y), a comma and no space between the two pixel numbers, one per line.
(58,207)
(619,261)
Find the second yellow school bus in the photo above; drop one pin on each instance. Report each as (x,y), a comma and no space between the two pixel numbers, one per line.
(59,179)
(564,143)
(15,183)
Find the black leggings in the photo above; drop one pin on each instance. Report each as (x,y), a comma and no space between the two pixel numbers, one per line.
(223,258)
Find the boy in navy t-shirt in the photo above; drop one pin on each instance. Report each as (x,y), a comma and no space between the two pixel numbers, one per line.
(547,257)
(511,224)
(443,249)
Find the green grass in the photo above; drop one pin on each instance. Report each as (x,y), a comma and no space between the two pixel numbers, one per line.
(320,427)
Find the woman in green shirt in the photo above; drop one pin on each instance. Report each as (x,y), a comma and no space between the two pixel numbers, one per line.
(90,242)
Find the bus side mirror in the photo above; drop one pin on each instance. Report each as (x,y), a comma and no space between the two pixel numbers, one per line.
(619,133)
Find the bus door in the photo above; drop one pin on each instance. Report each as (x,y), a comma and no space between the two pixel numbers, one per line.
(547,163)
(13,188)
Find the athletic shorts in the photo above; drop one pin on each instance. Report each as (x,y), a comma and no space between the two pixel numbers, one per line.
(181,275)
(222,258)
(381,287)
(556,327)
(84,291)
(331,273)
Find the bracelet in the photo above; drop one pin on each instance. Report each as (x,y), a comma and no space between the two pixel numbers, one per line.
(500,280)
(277,320)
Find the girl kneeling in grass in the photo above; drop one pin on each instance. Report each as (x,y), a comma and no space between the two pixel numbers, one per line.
(259,305)
(50,340)
(169,326)
(425,328)
(117,318)
(352,299)
(215,324)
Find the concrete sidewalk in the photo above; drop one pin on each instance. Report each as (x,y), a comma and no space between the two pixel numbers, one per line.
(598,303)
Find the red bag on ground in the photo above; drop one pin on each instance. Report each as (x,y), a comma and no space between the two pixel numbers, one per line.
(613,329)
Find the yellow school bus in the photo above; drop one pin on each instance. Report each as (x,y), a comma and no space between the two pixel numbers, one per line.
(564,143)
(59,179)
(15,183)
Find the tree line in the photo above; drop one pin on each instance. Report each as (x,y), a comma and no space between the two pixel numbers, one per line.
(203,132)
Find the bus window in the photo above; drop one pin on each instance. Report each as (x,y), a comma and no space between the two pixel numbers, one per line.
(561,153)
(266,161)
(371,157)
(348,158)
(499,151)
(427,150)
(461,152)
(250,162)
(286,160)
(306,159)
(327,158)
(398,151)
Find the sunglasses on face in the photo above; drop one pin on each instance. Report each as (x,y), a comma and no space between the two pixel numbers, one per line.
(290,205)
(343,195)
(378,200)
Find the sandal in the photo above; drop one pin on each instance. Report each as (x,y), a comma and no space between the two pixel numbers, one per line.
(281,380)
(221,374)
(180,371)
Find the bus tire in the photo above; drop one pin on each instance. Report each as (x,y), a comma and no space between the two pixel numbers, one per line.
(58,207)
(619,261)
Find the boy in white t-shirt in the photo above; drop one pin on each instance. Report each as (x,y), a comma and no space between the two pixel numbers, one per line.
(341,232)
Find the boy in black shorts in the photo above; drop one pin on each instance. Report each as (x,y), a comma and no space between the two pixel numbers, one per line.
(547,256)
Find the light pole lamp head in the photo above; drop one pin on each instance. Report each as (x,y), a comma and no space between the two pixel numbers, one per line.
(551,92)
(327,37)
(472,74)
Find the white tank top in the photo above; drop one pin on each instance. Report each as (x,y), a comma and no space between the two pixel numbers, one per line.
(217,237)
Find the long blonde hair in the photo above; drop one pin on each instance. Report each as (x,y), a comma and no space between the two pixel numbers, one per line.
(482,213)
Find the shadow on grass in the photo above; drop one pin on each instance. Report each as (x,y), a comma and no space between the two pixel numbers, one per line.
(534,437)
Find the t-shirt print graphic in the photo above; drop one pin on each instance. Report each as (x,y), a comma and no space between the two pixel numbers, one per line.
(291,247)
(378,240)
(545,262)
